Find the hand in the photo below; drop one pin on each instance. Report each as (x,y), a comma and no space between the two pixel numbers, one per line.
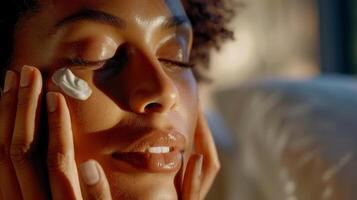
(20,177)
(203,166)
(62,168)
(204,144)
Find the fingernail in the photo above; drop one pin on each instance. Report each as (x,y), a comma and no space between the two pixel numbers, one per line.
(51,101)
(199,163)
(9,81)
(89,172)
(26,76)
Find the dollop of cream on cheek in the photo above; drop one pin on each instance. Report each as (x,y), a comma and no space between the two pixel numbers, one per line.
(71,85)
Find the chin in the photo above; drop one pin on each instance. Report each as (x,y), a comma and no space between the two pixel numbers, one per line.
(142,186)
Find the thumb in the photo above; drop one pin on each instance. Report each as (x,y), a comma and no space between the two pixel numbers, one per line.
(95,185)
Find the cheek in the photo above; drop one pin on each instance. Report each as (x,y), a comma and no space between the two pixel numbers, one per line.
(95,114)
(188,92)
(188,104)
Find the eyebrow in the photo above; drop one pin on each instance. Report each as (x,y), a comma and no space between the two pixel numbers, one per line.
(106,18)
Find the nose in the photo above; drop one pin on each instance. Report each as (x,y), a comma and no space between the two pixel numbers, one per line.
(153,90)
(149,100)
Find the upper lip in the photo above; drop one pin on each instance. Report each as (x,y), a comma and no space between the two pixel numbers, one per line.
(157,138)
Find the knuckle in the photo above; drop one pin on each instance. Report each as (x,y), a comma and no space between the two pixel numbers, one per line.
(214,167)
(57,161)
(217,166)
(96,194)
(20,154)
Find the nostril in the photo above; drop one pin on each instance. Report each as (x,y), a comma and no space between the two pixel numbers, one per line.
(152,107)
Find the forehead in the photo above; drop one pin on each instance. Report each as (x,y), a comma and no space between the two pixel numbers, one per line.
(122,8)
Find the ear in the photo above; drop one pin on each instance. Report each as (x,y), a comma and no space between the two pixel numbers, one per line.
(205,145)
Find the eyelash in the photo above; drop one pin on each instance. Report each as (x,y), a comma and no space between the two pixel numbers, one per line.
(78,61)
(81,62)
(176,63)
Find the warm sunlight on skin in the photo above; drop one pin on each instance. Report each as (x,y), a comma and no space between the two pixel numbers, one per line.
(133,55)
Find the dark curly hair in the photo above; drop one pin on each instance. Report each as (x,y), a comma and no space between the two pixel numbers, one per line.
(209,19)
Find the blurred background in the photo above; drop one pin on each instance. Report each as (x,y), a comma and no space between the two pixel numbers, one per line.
(288,38)
(288,78)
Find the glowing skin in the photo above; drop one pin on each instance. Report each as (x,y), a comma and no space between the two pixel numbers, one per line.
(130,98)
(71,85)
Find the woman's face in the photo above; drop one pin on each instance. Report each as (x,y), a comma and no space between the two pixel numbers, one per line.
(142,98)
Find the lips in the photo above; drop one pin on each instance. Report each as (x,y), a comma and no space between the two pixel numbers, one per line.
(156,152)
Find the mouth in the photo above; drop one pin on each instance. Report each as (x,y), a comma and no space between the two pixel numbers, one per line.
(156,152)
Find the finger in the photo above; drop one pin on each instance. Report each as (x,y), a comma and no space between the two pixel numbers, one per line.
(61,163)
(204,144)
(23,139)
(8,179)
(95,182)
(192,179)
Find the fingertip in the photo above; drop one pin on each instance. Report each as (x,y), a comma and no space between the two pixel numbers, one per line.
(92,172)
(35,75)
(55,102)
(31,68)
(61,99)
(10,81)
(96,183)
(89,172)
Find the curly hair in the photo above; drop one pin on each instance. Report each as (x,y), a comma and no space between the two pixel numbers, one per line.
(209,19)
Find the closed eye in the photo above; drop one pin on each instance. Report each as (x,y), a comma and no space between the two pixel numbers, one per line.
(80,62)
(176,63)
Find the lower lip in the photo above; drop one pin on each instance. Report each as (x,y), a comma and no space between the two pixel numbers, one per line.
(150,162)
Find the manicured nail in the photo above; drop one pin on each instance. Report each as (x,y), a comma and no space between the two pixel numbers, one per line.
(89,172)
(26,76)
(52,101)
(9,81)
(199,163)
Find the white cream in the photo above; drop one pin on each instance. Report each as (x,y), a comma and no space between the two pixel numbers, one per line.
(71,85)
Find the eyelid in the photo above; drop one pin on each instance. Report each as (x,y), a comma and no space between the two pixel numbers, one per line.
(174,48)
(92,47)
(80,62)
(177,63)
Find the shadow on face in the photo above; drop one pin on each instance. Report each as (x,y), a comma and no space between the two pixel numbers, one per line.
(134,56)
